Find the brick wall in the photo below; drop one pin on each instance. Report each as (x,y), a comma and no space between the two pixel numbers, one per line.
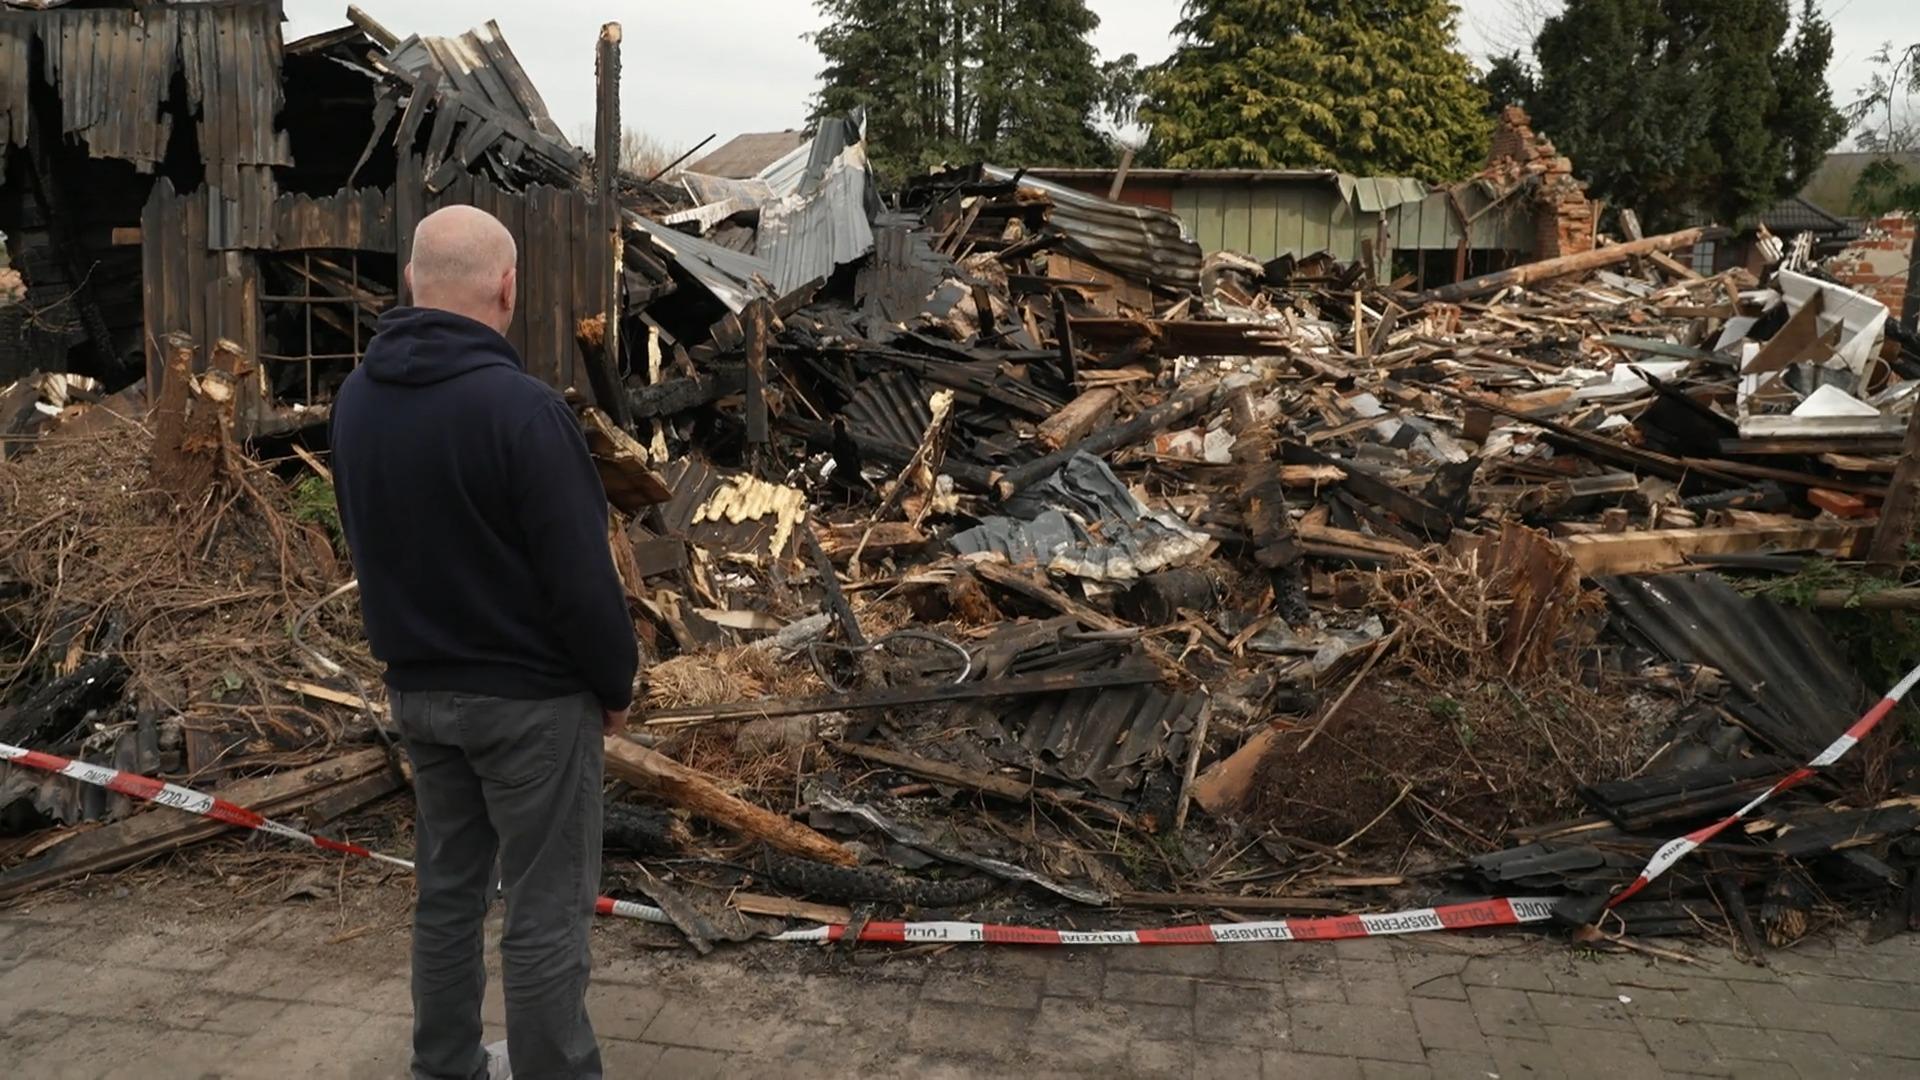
(1877,263)
(1563,215)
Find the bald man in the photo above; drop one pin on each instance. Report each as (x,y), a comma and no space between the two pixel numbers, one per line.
(478,528)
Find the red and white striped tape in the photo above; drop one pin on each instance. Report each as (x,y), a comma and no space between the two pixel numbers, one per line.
(148,789)
(1475,915)
(1678,848)
(193,802)
(1466,916)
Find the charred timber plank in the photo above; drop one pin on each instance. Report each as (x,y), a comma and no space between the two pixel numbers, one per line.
(1149,422)
(1785,476)
(1665,549)
(1078,418)
(1902,507)
(756,318)
(1760,446)
(1602,449)
(1035,588)
(1001,787)
(1363,484)
(1063,334)
(820,433)
(611,224)
(888,697)
(1549,269)
(830,583)
(603,372)
(678,395)
(160,830)
(696,792)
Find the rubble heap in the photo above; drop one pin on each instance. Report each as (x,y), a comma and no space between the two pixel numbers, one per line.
(996,556)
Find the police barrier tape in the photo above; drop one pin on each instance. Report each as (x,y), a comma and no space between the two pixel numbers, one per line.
(150,790)
(1680,846)
(1481,913)
(1464,916)
(1473,915)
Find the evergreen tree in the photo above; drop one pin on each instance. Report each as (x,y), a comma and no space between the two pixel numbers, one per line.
(1015,81)
(1367,86)
(1507,81)
(1684,108)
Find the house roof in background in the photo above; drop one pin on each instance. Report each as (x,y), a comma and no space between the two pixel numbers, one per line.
(1797,214)
(1831,184)
(745,155)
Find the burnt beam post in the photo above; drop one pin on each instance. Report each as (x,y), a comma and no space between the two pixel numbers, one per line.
(756,319)
(1897,516)
(606,172)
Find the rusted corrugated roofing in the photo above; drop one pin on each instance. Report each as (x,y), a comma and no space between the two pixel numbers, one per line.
(1143,242)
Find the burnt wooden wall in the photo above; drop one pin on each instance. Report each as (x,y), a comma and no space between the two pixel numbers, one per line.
(561,264)
(190,286)
(211,294)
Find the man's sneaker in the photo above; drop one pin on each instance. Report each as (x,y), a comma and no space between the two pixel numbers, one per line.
(498,1067)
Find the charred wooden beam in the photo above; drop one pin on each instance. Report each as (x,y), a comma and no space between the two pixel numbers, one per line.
(606,170)
(1147,423)
(889,697)
(701,795)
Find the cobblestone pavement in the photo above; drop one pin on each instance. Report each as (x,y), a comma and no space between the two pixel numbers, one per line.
(108,988)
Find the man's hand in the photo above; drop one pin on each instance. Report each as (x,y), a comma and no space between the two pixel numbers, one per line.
(613,723)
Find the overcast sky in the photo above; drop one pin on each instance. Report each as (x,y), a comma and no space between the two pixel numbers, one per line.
(727,66)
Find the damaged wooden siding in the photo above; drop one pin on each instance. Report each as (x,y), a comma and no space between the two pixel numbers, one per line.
(190,285)
(113,69)
(210,293)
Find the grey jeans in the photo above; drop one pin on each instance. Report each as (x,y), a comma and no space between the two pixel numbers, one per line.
(520,781)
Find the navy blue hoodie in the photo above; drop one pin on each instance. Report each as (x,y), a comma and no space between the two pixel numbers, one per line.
(476,519)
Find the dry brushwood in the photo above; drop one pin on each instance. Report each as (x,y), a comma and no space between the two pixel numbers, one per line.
(202,593)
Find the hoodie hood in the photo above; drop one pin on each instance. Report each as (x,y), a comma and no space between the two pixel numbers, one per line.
(419,346)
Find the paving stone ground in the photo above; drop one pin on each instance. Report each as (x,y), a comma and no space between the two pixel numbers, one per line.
(111,987)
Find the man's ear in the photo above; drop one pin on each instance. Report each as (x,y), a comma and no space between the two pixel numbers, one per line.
(407,272)
(509,285)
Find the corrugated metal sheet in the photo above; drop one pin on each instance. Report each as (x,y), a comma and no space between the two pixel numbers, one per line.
(1271,214)
(1373,194)
(111,69)
(807,236)
(1082,520)
(1430,224)
(891,405)
(733,277)
(134,749)
(15,78)
(1269,220)
(904,271)
(1106,738)
(1791,685)
(360,219)
(1147,244)
(191,286)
